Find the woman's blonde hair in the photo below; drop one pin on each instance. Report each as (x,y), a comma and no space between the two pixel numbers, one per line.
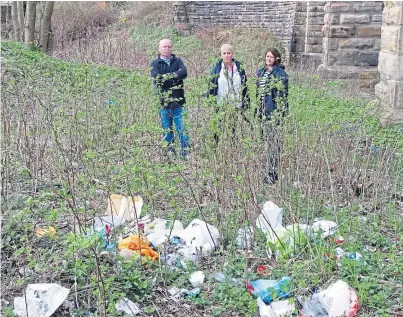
(228,47)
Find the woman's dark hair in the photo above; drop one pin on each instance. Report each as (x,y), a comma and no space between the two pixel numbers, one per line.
(276,54)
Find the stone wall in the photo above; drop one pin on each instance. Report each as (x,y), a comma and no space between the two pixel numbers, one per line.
(390,88)
(351,41)
(306,47)
(5,11)
(276,16)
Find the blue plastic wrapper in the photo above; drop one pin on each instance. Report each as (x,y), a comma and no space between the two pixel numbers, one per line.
(106,243)
(268,290)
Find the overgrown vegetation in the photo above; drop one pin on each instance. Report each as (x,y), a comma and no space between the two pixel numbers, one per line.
(75,133)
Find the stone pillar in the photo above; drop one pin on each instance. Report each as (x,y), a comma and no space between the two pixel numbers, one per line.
(351,41)
(390,88)
(306,45)
(181,18)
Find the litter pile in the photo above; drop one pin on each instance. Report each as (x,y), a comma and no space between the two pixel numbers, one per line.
(169,242)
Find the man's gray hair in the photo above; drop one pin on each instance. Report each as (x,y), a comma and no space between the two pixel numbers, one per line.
(159,44)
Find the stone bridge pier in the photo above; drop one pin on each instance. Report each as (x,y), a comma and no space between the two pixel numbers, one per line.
(390,88)
(358,42)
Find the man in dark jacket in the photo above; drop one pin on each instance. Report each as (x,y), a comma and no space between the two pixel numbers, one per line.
(169,72)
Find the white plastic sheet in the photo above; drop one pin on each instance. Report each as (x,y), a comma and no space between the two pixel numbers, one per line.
(339,300)
(200,235)
(244,237)
(325,227)
(127,306)
(42,300)
(157,231)
(281,308)
(270,221)
(197,278)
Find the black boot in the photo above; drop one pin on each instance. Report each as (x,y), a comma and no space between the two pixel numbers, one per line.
(271,179)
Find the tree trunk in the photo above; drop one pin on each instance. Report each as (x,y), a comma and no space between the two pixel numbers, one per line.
(16,22)
(30,23)
(46,26)
(20,10)
(50,40)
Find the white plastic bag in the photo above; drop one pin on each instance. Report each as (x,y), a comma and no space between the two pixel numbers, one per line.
(283,308)
(158,231)
(200,235)
(127,306)
(42,300)
(265,310)
(197,278)
(325,227)
(244,238)
(339,300)
(271,219)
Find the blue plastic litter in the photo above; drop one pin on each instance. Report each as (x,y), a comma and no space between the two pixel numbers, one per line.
(106,243)
(268,290)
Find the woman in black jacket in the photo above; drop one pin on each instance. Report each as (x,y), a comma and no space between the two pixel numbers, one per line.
(228,83)
(271,95)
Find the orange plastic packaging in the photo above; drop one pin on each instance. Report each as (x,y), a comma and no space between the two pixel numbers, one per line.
(139,244)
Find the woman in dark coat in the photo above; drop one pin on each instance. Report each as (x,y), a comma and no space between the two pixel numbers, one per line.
(271,95)
(228,84)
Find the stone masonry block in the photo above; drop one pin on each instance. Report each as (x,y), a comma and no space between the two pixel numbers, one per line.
(340,7)
(354,18)
(393,15)
(315,14)
(357,43)
(368,6)
(316,21)
(314,40)
(301,6)
(389,4)
(298,47)
(315,34)
(376,18)
(300,20)
(327,7)
(328,60)
(314,49)
(366,59)
(339,31)
(298,32)
(390,94)
(315,28)
(391,65)
(320,9)
(392,39)
(344,57)
(330,44)
(348,72)
(332,18)
(377,44)
(369,30)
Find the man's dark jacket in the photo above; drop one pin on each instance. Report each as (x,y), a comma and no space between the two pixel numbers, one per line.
(168,81)
(213,83)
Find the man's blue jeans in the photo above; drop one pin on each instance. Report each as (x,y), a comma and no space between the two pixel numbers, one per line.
(172,116)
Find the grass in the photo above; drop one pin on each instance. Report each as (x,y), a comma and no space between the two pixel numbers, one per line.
(75,133)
